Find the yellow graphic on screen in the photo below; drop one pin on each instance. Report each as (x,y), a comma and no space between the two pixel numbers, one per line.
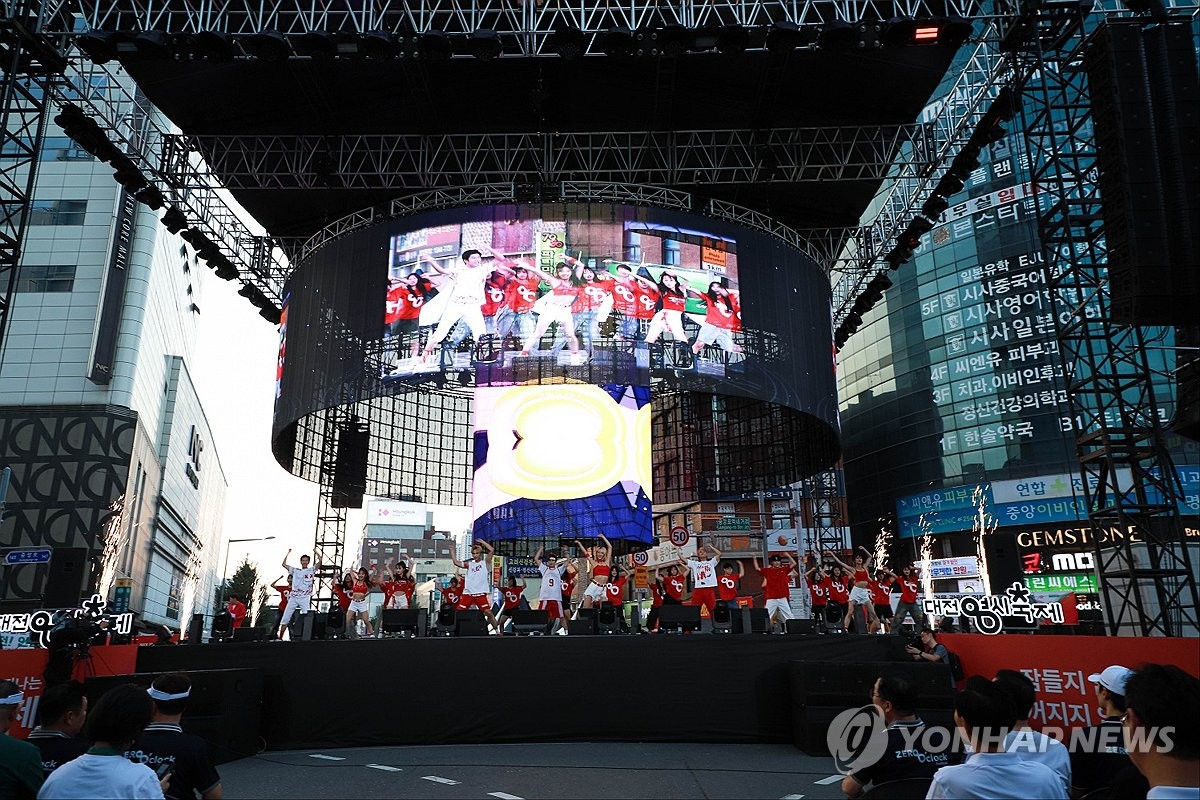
(566,441)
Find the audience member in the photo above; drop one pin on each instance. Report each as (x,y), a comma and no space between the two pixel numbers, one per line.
(930,650)
(20,764)
(1098,756)
(905,756)
(103,772)
(62,710)
(1025,741)
(985,716)
(164,742)
(1162,730)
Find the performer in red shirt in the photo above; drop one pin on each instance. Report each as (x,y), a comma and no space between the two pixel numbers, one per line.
(625,290)
(599,562)
(727,585)
(360,605)
(554,307)
(511,595)
(237,610)
(860,591)
(776,579)
(593,304)
(398,591)
(722,318)
(839,594)
(818,590)
(910,584)
(614,593)
(672,299)
(520,293)
(881,598)
(284,587)
(402,313)
(452,595)
(657,595)
(674,583)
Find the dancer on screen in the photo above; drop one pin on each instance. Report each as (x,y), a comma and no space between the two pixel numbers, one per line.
(599,562)
(554,307)
(402,315)
(722,318)
(466,297)
(672,299)
(520,295)
(594,304)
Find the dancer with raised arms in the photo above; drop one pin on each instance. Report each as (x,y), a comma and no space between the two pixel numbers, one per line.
(477,593)
(860,594)
(550,594)
(600,566)
(554,307)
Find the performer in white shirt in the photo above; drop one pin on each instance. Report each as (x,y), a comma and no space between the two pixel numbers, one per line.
(466,298)
(300,598)
(550,593)
(704,577)
(477,592)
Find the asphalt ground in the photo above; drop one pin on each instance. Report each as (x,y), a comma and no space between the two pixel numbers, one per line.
(556,770)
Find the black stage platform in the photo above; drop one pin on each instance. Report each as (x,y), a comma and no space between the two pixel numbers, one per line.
(680,688)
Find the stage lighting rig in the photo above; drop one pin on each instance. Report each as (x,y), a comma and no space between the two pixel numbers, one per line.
(672,41)
(86,133)
(99,46)
(222,266)
(174,220)
(838,35)
(617,42)
(569,43)
(935,206)
(784,37)
(434,46)
(213,46)
(153,44)
(316,45)
(378,46)
(150,195)
(732,40)
(485,44)
(950,184)
(268,46)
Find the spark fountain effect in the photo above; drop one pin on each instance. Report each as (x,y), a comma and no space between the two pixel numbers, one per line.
(926,557)
(187,590)
(883,543)
(983,525)
(111,548)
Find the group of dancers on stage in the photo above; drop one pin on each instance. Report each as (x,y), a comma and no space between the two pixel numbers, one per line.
(498,298)
(837,593)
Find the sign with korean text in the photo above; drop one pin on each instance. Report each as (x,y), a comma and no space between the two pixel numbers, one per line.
(733,524)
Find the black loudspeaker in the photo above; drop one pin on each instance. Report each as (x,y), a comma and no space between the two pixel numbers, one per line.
(222,626)
(470,623)
(401,620)
(610,619)
(306,627)
(760,622)
(531,622)
(581,627)
(224,709)
(350,472)
(678,618)
(801,626)
(65,580)
(1146,111)
(195,629)
(248,634)
(1003,561)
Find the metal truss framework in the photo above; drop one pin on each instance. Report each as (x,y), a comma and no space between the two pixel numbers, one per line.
(826,508)
(522,28)
(664,158)
(1129,480)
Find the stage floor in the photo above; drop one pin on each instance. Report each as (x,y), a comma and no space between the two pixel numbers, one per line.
(651,687)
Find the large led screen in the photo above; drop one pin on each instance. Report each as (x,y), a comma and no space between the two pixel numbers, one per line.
(563,460)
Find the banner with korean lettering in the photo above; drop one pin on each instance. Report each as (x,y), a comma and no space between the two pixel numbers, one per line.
(25,668)
(1059,666)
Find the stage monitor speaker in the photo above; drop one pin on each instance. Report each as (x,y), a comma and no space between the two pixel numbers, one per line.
(66,577)
(610,619)
(673,617)
(350,472)
(470,623)
(222,626)
(581,627)
(224,709)
(1145,107)
(532,623)
(335,622)
(1003,561)
(248,634)
(400,620)
(760,622)
(722,619)
(195,629)
(306,627)
(801,626)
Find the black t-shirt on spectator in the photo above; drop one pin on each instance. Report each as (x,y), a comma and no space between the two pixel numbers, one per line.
(900,761)
(192,772)
(1101,758)
(56,748)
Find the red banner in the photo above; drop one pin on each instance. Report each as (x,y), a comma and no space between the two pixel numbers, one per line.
(25,667)
(1059,666)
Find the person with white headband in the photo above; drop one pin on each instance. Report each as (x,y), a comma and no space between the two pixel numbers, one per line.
(20,762)
(164,744)
(104,772)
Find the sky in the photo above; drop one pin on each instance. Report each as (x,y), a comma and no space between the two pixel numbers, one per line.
(235,378)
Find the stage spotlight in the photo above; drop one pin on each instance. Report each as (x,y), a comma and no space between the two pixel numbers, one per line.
(674,41)
(838,35)
(950,184)
(732,40)
(966,162)
(484,44)
(99,46)
(881,283)
(315,44)
(852,323)
(935,206)
(863,304)
(839,338)
(1006,105)
(153,44)
(221,266)
(434,46)
(213,46)
(464,377)
(617,42)
(150,195)
(378,46)
(569,43)
(174,220)
(784,37)
(898,256)
(271,314)
(268,46)
(128,175)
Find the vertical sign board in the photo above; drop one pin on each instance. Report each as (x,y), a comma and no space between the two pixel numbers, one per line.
(104,343)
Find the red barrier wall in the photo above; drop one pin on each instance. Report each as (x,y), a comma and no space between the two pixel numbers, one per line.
(1059,666)
(26,667)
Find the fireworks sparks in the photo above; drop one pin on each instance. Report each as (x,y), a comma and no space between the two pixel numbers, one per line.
(883,543)
(112,546)
(926,556)
(983,524)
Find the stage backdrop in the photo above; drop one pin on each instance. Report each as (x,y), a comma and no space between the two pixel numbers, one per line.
(1059,666)
(27,665)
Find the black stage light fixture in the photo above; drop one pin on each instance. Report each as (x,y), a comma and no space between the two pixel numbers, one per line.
(268,46)
(196,238)
(569,43)
(128,175)
(732,40)
(99,46)
(213,46)
(153,44)
(150,195)
(174,220)
(902,31)
(271,314)
(838,35)
(1006,105)
(862,304)
(378,46)
(434,46)
(674,41)
(221,266)
(881,283)
(950,184)
(966,162)
(935,206)
(852,322)
(898,256)
(839,338)
(315,44)
(617,42)
(485,44)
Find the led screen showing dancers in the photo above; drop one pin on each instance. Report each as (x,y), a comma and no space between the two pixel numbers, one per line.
(594,301)
(565,459)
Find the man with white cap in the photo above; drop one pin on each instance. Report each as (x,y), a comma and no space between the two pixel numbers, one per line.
(1099,758)
(20,762)
(164,745)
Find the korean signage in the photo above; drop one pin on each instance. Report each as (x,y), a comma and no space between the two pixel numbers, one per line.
(987,613)
(733,524)
(943,568)
(1084,583)
(38,624)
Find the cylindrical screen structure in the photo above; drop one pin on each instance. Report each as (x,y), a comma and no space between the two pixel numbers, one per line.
(393,328)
